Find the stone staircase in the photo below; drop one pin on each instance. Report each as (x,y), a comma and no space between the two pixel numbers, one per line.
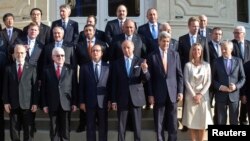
(148,134)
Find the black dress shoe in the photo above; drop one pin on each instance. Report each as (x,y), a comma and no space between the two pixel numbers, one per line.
(184,129)
(244,123)
(80,129)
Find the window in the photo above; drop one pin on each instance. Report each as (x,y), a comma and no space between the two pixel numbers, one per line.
(83,8)
(242,11)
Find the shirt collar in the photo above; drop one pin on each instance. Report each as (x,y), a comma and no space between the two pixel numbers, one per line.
(99,63)
(66,21)
(17,63)
(190,35)
(92,40)
(131,57)
(55,65)
(150,24)
(161,51)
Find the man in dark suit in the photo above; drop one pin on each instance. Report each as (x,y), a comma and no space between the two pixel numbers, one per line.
(68,48)
(186,41)
(3,63)
(128,75)
(173,43)
(94,88)
(70,27)
(44,30)
(204,30)
(149,31)
(83,48)
(91,19)
(214,53)
(114,27)
(241,50)
(115,49)
(83,55)
(59,95)
(166,87)
(20,96)
(228,78)
(9,34)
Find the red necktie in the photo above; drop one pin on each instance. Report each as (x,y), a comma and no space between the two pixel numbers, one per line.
(19,71)
(58,73)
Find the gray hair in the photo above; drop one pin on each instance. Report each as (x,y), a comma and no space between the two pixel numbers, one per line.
(227,44)
(163,34)
(57,50)
(241,28)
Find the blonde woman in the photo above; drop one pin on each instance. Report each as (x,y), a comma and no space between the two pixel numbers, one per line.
(197,77)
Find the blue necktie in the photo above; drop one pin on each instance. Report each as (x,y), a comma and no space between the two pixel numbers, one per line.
(128,65)
(64,25)
(228,65)
(154,33)
(192,40)
(242,49)
(9,34)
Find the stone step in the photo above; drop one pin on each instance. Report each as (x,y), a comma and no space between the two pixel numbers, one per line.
(147,135)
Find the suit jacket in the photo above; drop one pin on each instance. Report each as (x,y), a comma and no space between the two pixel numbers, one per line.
(212,52)
(116,48)
(21,93)
(184,48)
(236,50)
(98,34)
(173,44)
(44,33)
(16,33)
(94,93)
(111,30)
(3,62)
(147,38)
(69,49)
(165,85)
(220,77)
(71,33)
(59,92)
(126,89)
(208,33)
(36,57)
(82,54)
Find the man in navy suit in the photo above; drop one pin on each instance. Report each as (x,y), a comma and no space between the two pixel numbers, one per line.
(228,78)
(91,19)
(166,87)
(128,75)
(94,93)
(9,34)
(149,31)
(214,53)
(241,50)
(59,96)
(186,41)
(44,30)
(129,30)
(20,96)
(114,27)
(70,27)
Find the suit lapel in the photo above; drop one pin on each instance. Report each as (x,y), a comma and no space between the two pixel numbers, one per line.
(14,70)
(6,35)
(234,62)
(63,72)
(103,70)
(158,57)
(223,64)
(122,62)
(133,63)
(91,70)
(25,70)
(14,35)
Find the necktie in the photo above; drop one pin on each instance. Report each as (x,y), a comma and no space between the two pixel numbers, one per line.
(58,72)
(218,50)
(242,49)
(228,65)
(19,71)
(89,47)
(128,65)
(64,25)
(154,33)
(9,34)
(192,40)
(164,61)
(96,73)
(121,24)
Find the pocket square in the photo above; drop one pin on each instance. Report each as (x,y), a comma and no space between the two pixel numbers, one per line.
(136,66)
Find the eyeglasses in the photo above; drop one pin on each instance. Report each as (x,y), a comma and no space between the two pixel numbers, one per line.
(59,55)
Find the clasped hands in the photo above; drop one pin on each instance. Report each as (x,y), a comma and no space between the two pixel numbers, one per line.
(229,89)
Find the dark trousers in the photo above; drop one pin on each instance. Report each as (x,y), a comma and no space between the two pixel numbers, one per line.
(82,122)
(59,125)
(102,116)
(21,119)
(136,115)
(1,122)
(171,120)
(243,113)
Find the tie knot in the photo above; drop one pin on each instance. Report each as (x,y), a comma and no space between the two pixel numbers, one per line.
(19,65)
